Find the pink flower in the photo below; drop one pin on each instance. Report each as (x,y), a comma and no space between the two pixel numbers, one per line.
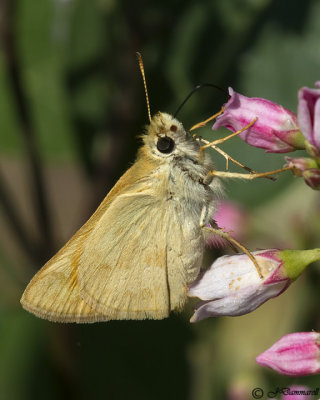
(294,354)
(309,114)
(231,218)
(276,129)
(232,286)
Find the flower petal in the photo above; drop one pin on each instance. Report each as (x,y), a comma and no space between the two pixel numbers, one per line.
(236,304)
(317,123)
(275,130)
(309,114)
(294,354)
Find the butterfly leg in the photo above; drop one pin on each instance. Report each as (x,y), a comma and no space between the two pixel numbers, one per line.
(236,175)
(222,140)
(229,158)
(203,224)
(203,123)
(233,241)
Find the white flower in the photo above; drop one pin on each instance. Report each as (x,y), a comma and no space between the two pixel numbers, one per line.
(233,287)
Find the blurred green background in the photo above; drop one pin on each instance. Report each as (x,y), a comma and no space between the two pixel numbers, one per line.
(72,104)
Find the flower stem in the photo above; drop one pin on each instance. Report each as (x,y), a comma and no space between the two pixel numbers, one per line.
(295,261)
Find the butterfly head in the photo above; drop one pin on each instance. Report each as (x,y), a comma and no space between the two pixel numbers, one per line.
(166,136)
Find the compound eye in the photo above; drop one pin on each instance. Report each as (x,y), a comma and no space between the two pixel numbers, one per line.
(165,144)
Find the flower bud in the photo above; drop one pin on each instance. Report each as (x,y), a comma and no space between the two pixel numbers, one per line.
(307,168)
(312,178)
(300,164)
(276,129)
(294,354)
(232,286)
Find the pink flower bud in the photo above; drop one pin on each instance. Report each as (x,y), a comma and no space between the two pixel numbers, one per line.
(312,178)
(276,129)
(232,286)
(294,354)
(300,164)
(309,113)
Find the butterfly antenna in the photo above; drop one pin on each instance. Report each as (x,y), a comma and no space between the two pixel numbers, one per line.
(200,86)
(144,83)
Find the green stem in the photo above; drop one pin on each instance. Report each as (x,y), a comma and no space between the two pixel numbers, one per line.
(295,261)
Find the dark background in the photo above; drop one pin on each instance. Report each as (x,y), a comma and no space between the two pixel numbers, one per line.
(71,106)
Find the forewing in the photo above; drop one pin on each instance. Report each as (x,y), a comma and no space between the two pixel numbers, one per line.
(123,268)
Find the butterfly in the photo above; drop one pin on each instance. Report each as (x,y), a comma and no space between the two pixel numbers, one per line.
(141,249)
